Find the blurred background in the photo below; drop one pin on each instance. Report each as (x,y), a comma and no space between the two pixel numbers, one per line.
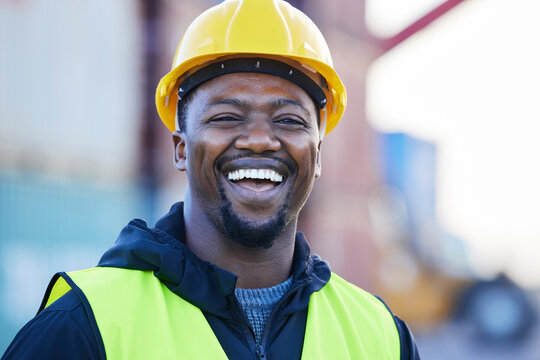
(429,195)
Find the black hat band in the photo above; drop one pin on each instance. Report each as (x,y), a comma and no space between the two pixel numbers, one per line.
(254,65)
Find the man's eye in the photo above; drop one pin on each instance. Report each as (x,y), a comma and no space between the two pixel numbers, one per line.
(290,121)
(225,118)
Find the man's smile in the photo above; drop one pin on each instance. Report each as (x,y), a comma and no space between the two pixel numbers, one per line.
(256,180)
(262,174)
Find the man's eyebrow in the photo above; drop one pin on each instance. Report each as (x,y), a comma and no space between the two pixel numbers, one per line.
(227,101)
(277,103)
(274,105)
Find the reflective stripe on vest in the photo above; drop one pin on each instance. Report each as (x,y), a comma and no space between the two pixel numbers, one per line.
(140,318)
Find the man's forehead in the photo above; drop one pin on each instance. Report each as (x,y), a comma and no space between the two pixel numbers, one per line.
(273,103)
(244,89)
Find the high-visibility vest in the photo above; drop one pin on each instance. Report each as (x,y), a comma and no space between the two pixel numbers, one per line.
(140,318)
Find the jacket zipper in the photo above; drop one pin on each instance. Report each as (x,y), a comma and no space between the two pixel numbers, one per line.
(245,325)
(260,348)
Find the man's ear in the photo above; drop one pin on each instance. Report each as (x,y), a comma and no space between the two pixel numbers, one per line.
(179,150)
(318,160)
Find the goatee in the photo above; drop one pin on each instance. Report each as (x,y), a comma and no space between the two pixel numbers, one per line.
(253,234)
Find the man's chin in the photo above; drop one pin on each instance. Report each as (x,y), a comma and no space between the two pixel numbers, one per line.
(252,233)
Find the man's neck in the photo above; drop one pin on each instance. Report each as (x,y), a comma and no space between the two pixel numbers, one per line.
(255,268)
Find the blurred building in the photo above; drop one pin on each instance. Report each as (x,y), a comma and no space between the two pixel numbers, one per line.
(70,75)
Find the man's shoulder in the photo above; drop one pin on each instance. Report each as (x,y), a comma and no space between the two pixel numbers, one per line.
(360,297)
(352,291)
(69,303)
(60,331)
(106,275)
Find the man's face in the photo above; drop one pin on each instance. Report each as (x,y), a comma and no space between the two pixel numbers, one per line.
(251,151)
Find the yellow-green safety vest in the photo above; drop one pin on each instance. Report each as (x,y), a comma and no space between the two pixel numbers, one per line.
(140,318)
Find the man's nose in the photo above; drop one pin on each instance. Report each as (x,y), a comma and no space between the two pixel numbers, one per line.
(258,137)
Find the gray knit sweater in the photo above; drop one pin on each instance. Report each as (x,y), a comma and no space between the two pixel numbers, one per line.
(258,304)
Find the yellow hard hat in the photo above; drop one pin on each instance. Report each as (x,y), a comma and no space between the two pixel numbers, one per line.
(265,29)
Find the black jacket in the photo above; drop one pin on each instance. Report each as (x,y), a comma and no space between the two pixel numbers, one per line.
(67,330)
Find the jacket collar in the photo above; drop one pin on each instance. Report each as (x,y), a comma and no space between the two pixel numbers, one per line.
(162,250)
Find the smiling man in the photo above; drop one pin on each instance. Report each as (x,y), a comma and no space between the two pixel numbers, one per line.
(225,274)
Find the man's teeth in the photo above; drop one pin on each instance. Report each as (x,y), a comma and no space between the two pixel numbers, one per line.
(255,174)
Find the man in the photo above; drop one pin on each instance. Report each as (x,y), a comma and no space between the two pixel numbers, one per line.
(224,274)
